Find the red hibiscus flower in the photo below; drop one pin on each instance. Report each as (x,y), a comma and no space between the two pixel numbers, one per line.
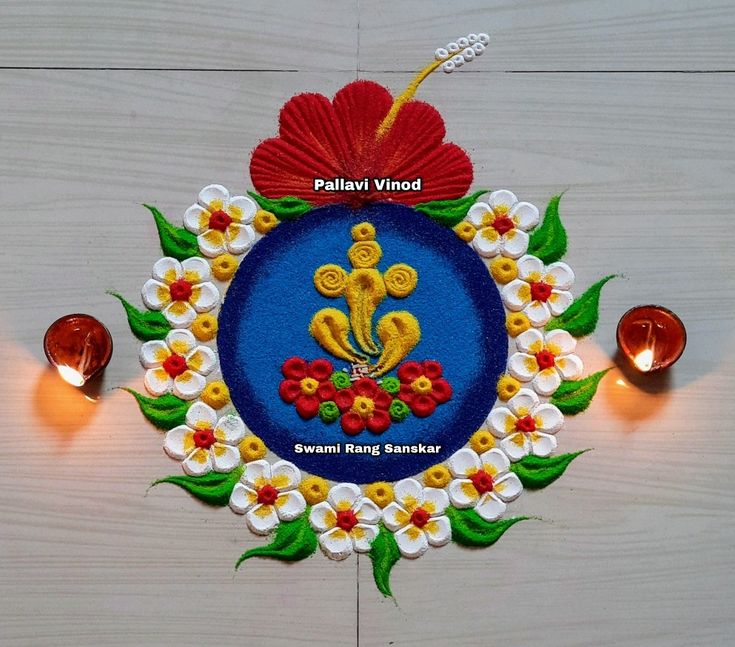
(422,387)
(322,139)
(364,405)
(307,385)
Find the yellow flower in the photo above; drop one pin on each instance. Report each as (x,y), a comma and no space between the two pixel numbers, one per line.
(205,327)
(504,270)
(481,441)
(437,476)
(252,448)
(216,394)
(264,221)
(381,493)
(465,231)
(314,489)
(507,387)
(363,231)
(517,323)
(224,267)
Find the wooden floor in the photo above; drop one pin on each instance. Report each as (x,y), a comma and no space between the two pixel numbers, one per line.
(628,106)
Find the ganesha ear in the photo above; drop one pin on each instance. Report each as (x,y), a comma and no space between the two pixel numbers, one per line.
(331,328)
(399,332)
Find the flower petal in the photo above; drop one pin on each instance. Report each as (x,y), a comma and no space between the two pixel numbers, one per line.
(538,313)
(344,496)
(214,193)
(179,314)
(490,507)
(547,381)
(201,416)
(542,444)
(204,296)
(290,505)
(239,238)
(409,493)
(179,442)
(257,473)
(225,458)
(412,542)
(570,367)
(242,498)
(230,429)
(531,341)
(438,531)
(196,270)
(486,242)
(188,385)
(262,519)
(202,360)
(199,462)
(154,353)
(362,536)
(435,501)
(502,200)
(514,243)
(562,276)
(508,487)
(559,342)
(462,493)
(559,301)
(477,213)
(167,270)
(395,517)
(516,295)
(516,446)
(196,219)
(181,342)
(322,517)
(522,366)
(525,215)
(336,544)
(550,418)
(495,462)
(464,462)
(156,295)
(211,242)
(242,209)
(523,402)
(285,475)
(530,268)
(367,511)
(501,421)
(157,381)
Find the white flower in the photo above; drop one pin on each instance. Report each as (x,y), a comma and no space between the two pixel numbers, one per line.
(526,426)
(483,482)
(347,521)
(418,517)
(221,222)
(545,359)
(539,291)
(177,365)
(205,443)
(181,290)
(267,495)
(502,223)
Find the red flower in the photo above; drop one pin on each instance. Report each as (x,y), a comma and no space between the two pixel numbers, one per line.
(422,387)
(364,405)
(307,385)
(322,139)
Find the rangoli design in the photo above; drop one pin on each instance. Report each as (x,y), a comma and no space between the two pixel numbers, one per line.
(357,355)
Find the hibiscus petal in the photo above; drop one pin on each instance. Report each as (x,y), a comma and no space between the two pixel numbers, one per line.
(547,381)
(336,544)
(198,463)
(542,444)
(262,519)
(409,493)
(490,507)
(462,493)
(343,496)
(395,517)
(257,473)
(196,219)
(167,270)
(157,381)
(240,238)
(242,498)
(464,462)
(438,531)
(188,385)
(214,193)
(179,442)
(525,215)
(155,294)
(290,505)
(201,416)
(225,458)
(412,542)
(514,243)
(322,517)
(522,366)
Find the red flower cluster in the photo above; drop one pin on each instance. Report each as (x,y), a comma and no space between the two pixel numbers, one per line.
(364,405)
(423,387)
(307,385)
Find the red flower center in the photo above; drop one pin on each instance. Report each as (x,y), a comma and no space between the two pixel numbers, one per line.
(267,495)
(503,224)
(180,290)
(219,220)
(420,517)
(482,481)
(204,438)
(346,520)
(540,291)
(175,365)
(526,424)
(545,359)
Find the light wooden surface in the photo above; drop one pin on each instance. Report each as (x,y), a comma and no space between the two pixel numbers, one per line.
(635,543)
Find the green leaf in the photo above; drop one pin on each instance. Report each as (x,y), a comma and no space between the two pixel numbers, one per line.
(145,324)
(213,488)
(580,318)
(293,541)
(536,472)
(449,212)
(287,208)
(470,529)
(175,241)
(549,241)
(165,412)
(574,396)
(384,554)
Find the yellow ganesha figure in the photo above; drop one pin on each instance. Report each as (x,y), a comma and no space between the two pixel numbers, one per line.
(364,289)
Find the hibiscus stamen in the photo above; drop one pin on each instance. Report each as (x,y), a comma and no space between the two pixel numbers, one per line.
(449,58)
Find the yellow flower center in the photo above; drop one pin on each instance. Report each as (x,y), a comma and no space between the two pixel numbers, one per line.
(422,385)
(363,406)
(309,386)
